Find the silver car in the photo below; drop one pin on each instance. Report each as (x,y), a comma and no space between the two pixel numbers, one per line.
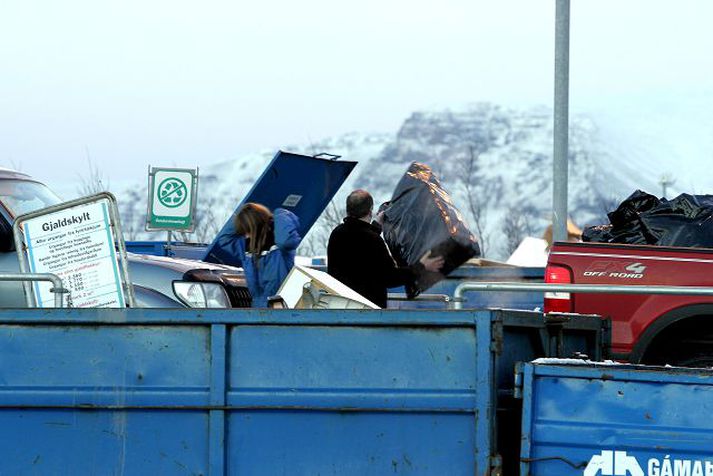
(158,281)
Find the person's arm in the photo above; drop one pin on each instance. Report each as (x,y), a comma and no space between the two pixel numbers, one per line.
(287,238)
(407,275)
(385,266)
(232,246)
(432,263)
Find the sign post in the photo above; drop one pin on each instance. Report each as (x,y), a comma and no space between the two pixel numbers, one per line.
(81,242)
(172,199)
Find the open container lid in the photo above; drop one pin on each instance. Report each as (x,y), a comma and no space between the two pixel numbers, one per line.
(301,184)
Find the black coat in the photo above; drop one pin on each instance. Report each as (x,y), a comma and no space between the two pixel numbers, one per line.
(358,257)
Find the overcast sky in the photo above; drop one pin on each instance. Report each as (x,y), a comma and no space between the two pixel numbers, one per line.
(138,82)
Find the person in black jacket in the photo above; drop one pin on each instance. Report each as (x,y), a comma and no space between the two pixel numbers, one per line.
(358,257)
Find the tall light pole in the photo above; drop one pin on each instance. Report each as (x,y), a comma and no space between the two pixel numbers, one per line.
(665,181)
(561,122)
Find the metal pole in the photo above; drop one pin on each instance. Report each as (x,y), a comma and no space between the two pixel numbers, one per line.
(57,287)
(168,243)
(665,181)
(561,122)
(445,298)
(462,288)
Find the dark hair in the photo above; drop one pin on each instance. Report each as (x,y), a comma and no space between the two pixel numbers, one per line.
(254,219)
(359,203)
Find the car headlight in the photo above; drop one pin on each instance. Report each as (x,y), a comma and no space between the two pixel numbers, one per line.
(196,294)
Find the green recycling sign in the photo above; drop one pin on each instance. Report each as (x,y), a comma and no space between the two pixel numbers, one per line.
(172,199)
(172,192)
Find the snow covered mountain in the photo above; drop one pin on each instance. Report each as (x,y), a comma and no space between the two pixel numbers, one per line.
(496,163)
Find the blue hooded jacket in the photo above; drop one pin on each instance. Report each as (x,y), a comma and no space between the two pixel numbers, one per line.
(265,277)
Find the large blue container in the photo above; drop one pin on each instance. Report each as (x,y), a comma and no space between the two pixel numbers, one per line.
(482,299)
(250,392)
(616,420)
(177,249)
(267,392)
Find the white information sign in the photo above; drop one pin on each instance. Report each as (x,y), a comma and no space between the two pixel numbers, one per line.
(76,244)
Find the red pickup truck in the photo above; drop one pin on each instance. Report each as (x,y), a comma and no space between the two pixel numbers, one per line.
(655,329)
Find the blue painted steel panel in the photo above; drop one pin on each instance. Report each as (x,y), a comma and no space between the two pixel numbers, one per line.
(617,420)
(309,182)
(227,392)
(98,442)
(353,443)
(270,356)
(376,414)
(51,365)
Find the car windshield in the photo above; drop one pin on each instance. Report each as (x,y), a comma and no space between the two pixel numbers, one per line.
(23,196)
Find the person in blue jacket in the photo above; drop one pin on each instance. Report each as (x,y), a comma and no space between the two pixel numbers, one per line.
(264,245)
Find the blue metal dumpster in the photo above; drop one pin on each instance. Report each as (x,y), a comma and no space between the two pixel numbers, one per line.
(262,392)
(161,248)
(616,420)
(249,392)
(482,300)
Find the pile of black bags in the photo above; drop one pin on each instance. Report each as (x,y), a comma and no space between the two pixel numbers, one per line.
(421,218)
(644,219)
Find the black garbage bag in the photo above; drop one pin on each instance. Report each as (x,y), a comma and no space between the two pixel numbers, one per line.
(421,218)
(705,201)
(686,221)
(629,210)
(678,230)
(597,234)
(689,206)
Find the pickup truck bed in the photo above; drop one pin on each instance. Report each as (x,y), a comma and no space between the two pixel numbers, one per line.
(645,328)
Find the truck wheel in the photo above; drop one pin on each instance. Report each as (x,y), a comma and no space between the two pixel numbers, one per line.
(692,358)
(682,352)
(688,343)
(702,360)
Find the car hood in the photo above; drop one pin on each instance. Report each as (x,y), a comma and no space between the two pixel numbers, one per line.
(180,265)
